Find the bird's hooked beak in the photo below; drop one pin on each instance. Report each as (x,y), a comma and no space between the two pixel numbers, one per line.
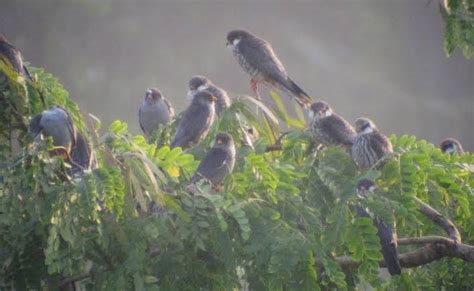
(219,141)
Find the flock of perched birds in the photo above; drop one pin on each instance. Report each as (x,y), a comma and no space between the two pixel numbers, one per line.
(368,146)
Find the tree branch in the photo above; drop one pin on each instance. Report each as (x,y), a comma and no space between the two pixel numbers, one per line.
(70,280)
(425,240)
(440,220)
(438,247)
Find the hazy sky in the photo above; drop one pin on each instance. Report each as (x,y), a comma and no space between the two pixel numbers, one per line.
(380,59)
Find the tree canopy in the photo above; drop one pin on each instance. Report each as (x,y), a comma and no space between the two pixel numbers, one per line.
(282,221)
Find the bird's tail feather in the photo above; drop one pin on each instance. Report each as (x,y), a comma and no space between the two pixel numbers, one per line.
(300,95)
(389,247)
(390,255)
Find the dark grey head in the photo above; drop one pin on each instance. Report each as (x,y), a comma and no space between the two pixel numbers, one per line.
(153,95)
(198,83)
(223,140)
(204,97)
(3,39)
(451,146)
(320,109)
(364,125)
(365,186)
(235,36)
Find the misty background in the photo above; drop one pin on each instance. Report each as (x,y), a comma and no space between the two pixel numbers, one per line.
(374,58)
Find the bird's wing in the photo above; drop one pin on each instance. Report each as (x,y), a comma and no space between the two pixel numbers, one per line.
(140,119)
(260,54)
(195,121)
(380,144)
(170,108)
(12,55)
(34,128)
(213,166)
(70,126)
(341,130)
(81,154)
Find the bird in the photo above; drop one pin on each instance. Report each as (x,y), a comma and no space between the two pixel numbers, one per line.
(328,127)
(386,233)
(81,155)
(56,123)
(256,56)
(155,110)
(201,83)
(369,145)
(218,162)
(196,120)
(451,146)
(12,55)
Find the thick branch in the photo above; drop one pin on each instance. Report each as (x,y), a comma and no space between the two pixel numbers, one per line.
(436,248)
(440,220)
(425,240)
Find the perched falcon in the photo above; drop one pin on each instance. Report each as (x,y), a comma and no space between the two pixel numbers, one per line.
(201,83)
(255,55)
(218,162)
(451,146)
(369,145)
(57,123)
(386,233)
(155,110)
(10,54)
(196,120)
(328,127)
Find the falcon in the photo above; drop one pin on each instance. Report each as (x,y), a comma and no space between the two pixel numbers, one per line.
(218,162)
(451,146)
(56,123)
(201,83)
(155,110)
(328,127)
(196,120)
(386,233)
(10,54)
(369,145)
(256,56)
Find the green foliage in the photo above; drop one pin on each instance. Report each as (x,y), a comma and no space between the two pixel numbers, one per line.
(278,222)
(458,18)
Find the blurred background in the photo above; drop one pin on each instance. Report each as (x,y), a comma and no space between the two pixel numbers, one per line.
(382,59)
